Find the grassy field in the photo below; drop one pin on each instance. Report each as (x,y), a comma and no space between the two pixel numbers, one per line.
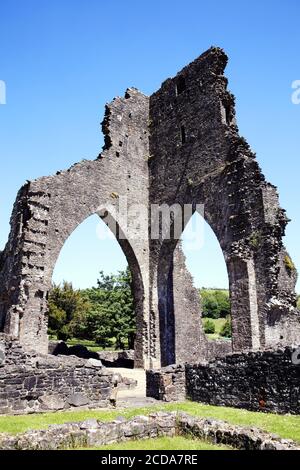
(163,443)
(91,345)
(286,426)
(218,322)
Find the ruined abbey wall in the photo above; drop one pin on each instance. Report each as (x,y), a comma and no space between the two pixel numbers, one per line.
(258,381)
(48,210)
(180,146)
(199,158)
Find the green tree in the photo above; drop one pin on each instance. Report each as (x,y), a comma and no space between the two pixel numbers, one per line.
(111,318)
(209,327)
(215,303)
(226,329)
(67,310)
(57,318)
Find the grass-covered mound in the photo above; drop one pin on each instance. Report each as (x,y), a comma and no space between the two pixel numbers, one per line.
(285,426)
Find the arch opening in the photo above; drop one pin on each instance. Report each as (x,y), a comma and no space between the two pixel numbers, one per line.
(97,295)
(185,268)
(206,264)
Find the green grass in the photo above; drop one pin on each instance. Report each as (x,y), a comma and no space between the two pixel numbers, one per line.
(163,443)
(91,345)
(286,426)
(218,322)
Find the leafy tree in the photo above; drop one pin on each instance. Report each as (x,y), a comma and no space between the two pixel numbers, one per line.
(215,303)
(222,299)
(226,329)
(111,318)
(57,318)
(104,314)
(209,327)
(67,308)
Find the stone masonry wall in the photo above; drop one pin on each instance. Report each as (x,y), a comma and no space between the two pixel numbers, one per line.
(180,147)
(33,383)
(93,433)
(49,209)
(258,381)
(169,383)
(166,384)
(199,158)
(11,351)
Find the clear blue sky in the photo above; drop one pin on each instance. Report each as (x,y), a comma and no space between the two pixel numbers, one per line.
(63,59)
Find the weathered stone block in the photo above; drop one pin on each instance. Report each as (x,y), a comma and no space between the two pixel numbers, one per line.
(30,383)
(52,402)
(78,399)
(93,363)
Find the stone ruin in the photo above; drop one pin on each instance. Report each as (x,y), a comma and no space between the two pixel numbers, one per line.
(93,433)
(181,147)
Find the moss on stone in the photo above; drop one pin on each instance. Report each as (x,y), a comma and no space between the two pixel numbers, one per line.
(255,239)
(290,267)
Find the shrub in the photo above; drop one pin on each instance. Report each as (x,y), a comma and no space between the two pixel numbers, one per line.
(209,327)
(226,329)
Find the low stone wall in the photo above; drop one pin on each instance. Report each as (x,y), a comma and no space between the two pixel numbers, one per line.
(238,437)
(92,433)
(167,384)
(53,387)
(34,383)
(258,381)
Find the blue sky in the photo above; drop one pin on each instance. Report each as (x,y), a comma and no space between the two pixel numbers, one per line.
(62,60)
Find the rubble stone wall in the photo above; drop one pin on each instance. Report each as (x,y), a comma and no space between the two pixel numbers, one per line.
(92,433)
(258,381)
(167,384)
(34,383)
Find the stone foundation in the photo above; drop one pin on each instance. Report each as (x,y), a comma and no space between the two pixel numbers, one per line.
(167,384)
(92,433)
(34,383)
(257,381)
